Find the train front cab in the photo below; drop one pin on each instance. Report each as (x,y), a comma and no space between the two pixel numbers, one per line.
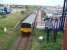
(26,29)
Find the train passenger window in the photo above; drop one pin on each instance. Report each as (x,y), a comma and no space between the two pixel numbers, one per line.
(26,25)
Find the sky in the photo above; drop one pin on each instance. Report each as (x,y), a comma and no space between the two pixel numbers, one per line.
(34,2)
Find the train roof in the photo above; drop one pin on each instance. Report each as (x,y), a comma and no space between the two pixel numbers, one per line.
(30,19)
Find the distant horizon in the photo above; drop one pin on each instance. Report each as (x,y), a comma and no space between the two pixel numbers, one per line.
(33,2)
(32,5)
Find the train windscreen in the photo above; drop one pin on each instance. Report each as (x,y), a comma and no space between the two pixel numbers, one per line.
(25,25)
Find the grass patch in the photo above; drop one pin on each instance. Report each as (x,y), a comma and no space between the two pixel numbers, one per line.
(9,43)
(11,20)
(43,45)
(1,34)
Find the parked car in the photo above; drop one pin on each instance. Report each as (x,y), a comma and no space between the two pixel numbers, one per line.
(2,12)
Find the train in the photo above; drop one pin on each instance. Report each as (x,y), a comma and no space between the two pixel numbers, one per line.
(28,25)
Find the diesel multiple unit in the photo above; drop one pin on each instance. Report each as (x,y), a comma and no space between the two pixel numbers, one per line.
(28,24)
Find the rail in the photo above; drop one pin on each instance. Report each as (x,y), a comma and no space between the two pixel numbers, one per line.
(22,43)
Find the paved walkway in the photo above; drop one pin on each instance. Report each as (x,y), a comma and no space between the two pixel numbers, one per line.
(40,23)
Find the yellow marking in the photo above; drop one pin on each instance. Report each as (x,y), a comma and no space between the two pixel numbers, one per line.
(26,30)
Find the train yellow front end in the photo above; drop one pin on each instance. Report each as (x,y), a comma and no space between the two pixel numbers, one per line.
(26,30)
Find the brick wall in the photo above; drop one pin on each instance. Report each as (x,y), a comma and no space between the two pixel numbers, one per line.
(65,35)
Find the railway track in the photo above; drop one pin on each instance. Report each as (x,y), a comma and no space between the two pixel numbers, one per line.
(22,43)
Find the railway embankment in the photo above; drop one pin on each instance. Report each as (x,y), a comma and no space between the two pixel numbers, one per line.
(10,22)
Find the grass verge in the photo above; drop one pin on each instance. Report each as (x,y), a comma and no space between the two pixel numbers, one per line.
(7,39)
(42,44)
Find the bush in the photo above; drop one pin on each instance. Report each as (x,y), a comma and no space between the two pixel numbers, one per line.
(22,12)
